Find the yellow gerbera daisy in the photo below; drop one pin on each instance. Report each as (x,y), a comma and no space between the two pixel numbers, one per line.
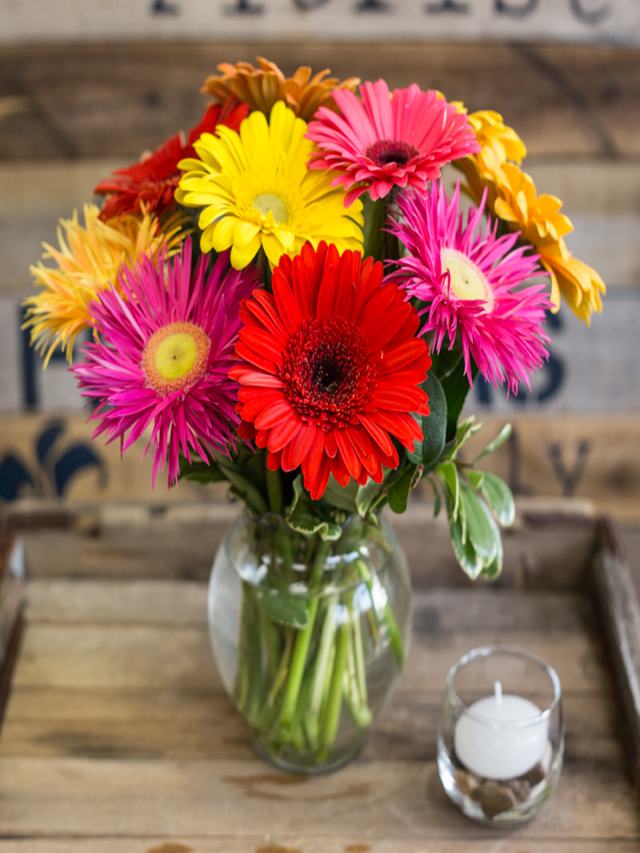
(256,191)
(512,197)
(493,134)
(88,260)
(262,87)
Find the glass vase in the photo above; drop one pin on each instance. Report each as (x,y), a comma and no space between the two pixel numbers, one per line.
(309,635)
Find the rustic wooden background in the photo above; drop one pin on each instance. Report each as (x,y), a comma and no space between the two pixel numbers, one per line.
(71,113)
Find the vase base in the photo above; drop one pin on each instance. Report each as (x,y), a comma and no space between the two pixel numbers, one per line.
(307,763)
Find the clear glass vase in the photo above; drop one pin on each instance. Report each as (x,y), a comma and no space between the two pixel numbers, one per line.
(309,635)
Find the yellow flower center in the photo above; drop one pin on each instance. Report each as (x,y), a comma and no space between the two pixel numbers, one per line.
(270,203)
(175,357)
(467,281)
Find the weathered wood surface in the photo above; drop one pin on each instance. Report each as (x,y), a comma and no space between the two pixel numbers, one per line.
(179,541)
(620,604)
(303,843)
(118,736)
(616,21)
(118,100)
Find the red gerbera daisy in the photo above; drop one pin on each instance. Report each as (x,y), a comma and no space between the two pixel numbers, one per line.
(332,368)
(153,181)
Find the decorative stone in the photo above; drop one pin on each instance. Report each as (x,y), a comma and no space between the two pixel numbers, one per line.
(467,783)
(495,798)
(534,776)
(521,789)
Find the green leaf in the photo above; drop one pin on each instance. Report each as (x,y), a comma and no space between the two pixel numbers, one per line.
(398,493)
(200,472)
(475,478)
(466,430)
(448,474)
(303,517)
(437,502)
(465,552)
(433,425)
(503,435)
(456,387)
(245,490)
(443,362)
(342,497)
(367,497)
(493,569)
(500,498)
(282,607)
(479,531)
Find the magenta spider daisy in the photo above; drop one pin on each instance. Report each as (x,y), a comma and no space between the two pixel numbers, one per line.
(162,356)
(467,281)
(387,140)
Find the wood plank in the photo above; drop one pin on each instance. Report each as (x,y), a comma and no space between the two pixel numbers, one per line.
(151,657)
(620,609)
(198,724)
(119,100)
(87,20)
(303,843)
(180,541)
(595,458)
(185,603)
(219,798)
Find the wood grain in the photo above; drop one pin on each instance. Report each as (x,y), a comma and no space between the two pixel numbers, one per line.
(118,100)
(390,799)
(303,843)
(180,540)
(197,724)
(119,736)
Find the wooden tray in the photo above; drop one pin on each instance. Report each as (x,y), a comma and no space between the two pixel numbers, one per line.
(118,736)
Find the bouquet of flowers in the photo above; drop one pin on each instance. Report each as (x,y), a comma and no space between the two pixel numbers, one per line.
(288,299)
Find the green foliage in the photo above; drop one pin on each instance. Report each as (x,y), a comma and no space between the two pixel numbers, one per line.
(398,490)
(473,498)
(499,497)
(455,385)
(433,426)
(502,436)
(375,216)
(342,497)
(280,605)
(200,472)
(310,517)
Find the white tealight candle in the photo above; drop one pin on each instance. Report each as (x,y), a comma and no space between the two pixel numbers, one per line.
(495,751)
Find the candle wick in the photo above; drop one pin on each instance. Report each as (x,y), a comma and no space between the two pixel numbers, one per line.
(497,687)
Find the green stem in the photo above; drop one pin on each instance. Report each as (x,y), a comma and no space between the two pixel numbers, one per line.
(272,643)
(388,619)
(274,489)
(395,637)
(303,641)
(332,718)
(248,686)
(267,715)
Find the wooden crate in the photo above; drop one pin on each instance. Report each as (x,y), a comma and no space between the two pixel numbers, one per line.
(119,738)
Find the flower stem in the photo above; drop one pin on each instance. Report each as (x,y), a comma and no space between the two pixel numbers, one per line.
(388,619)
(303,641)
(332,717)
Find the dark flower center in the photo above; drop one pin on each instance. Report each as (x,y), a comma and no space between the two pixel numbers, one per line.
(391,151)
(326,373)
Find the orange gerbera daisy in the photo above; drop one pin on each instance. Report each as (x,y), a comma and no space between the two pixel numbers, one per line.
(512,197)
(262,87)
(331,368)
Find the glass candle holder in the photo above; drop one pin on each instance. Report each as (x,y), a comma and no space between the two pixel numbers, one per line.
(501,740)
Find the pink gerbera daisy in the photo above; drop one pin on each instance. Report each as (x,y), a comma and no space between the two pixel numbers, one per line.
(386,140)
(162,356)
(468,281)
